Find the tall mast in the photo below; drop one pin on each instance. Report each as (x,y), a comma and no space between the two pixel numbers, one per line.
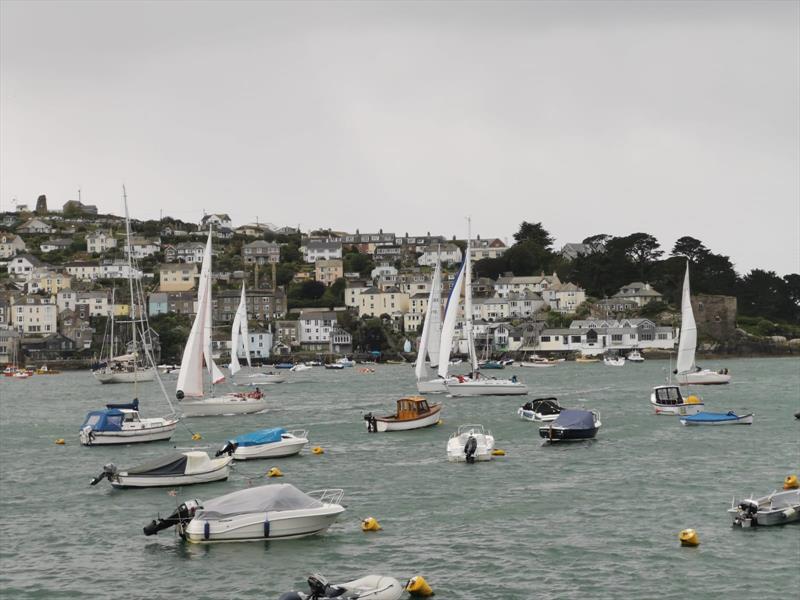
(473,359)
(130,281)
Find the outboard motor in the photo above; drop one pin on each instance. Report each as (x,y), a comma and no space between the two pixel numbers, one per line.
(229,448)
(109,471)
(749,508)
(318,585)
(470,448)
(183,515)
(372,423)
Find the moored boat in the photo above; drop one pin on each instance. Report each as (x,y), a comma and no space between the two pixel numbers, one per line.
(709,418)
(413,412)
(267,512)
(267,443)
(121,424)
(485,386)
(370,587)
(572,425)
(668,400)
(176,468)
(777,508)
(540,409)
(634,356)
(470,443)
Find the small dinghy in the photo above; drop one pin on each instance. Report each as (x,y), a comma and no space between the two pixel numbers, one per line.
(469,444)
(177,468)
(709,418)
(540,409)
(572,425)
(413,412)
(267,512)
(266,443)
(776,508)
(371,587)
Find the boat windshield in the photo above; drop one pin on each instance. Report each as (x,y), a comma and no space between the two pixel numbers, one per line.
(668,395)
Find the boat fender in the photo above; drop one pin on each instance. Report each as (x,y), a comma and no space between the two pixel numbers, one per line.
(274,472)
(790,483)
(317,450)
(370,524)
(692,399)
(266,528)
(688,537)
(498,452)
(60,442)
(470,448)
(417,586)
(789,512)
(179,394)
(196,437)
(206,530)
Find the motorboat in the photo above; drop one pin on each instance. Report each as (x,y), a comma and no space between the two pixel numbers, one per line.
(300,367)
(668,400)
(346,362)
(268,378)
(266,443)
(121,424)
(334,366)
(586,359)
(470,443)
(507,362)
(491,364)
(267,512)
(197,358)
(776,508)
(686,370)
(614,361)
(572,425)
(540,409)
(176,468)
(634,356)
(461,386)
(537,361)
(413,412)
(43,370)
(709,418)
(283,365)
(371,587)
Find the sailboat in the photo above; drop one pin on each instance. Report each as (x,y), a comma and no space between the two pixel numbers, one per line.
(121,423)
(448,330)
(431,339)
(686,371)
(197,352)
(124,368)
(239,335)
(478,384)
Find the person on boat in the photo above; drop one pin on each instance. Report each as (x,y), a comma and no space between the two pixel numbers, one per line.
(514,378)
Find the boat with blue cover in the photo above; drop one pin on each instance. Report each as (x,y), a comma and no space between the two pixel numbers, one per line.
(121,424)
(266,443)
(709,418)
(572,425)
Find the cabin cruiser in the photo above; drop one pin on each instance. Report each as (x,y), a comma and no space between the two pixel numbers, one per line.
(540,409)
(572,425)
(485,386)
(371,587)
(300,367)
(470,443)
(614,361)
(709,418)
(776,508)
(266,443)
(667,400)
(267,512)
(634,356)
(176,468)
(121,424)
(413,412)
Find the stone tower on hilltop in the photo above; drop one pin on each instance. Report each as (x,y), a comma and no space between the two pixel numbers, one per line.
(41,205)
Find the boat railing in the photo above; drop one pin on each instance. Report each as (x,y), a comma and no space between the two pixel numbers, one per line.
(328,495)
(476,428)
(301,433)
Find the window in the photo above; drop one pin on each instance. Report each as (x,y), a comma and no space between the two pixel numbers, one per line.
(545,338)
(616,337)
(576,339)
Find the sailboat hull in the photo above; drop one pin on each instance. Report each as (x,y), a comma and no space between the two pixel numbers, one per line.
(487,387)
(433,386)
(704,377)
(150,430)
(222,405)
(138,376)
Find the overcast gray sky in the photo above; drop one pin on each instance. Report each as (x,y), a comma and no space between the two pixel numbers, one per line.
(674,118)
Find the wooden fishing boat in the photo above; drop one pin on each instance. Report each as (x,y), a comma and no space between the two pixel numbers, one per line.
(413,412)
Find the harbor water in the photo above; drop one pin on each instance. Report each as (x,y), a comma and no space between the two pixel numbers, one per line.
(595,519)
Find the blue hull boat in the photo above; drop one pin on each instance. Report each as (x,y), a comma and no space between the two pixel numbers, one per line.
(709,418)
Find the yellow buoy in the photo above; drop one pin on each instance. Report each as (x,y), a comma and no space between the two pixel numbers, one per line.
(689,537)
(60,442)
(498,452)
(417,586)
(370,524)
(274,472)
(790,483)
(692,399)
(196,436)
(318,450)
(440,422)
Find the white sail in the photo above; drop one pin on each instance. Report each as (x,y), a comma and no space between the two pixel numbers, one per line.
(239,335)
(473,357)
(449,324)
(687,343)
(432,327)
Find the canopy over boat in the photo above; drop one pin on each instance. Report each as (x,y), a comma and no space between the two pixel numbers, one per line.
(261,499)
(129,405)
(104,420)
(263,436)
(545,406)
(174,463)
(709,417)
(575,419)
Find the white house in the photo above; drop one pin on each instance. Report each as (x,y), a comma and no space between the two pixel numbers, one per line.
(99,241)
(596,336)
(490,309)
(143,248)
(10,245)
(22,265)
(637,293)
(353,291)
(385,272)
(190,252)
(35,315)
(446,253)
(217,220)
(315,327)
(35,226)
(98,302)
(314,250)
(486,248)
(525,304)
(564,297)
(537,283)
(374,302)
(54,245)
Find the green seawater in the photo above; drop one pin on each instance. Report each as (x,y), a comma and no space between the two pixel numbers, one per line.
(597,519)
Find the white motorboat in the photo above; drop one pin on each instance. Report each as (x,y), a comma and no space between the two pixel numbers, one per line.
(469,444)
(708,418)
(485,386)
(121,424)
(686,370)
(197,353)
(634,356)
(541,364)
(667,400)
(269,378)
(334,366)
(776,508)
(300,367)
(413,412)
(266,443)
(540,409)
(346,362)
(176,468)
(267,512)
(371,587)
(614,361)
(431,339)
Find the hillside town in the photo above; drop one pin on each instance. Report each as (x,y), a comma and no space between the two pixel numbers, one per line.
(65,277)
